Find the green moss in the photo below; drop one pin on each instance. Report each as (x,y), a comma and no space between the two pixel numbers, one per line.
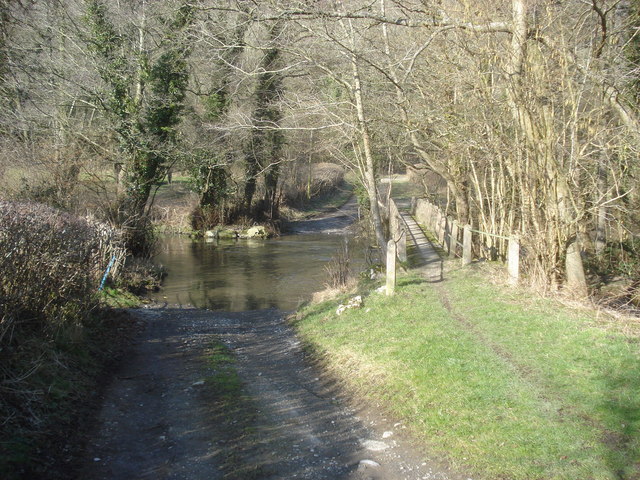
(224,381)
(118,298)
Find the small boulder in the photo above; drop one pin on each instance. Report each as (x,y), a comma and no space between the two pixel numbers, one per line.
(364,464)
(355,302)
(374,445)
(227,233)
(256,232)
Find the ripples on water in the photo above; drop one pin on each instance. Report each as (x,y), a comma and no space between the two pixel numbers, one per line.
(247,274)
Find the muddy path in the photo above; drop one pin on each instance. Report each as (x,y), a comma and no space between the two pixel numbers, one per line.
(335,222)
(161,419)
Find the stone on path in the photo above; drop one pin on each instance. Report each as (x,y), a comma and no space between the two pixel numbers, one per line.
(374,445)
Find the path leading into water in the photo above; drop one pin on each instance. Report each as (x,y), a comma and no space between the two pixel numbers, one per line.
(160,418)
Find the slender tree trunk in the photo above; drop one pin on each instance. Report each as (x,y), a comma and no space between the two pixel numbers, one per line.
(369,171)
(601,217)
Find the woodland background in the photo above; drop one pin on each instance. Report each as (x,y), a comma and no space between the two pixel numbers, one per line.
(520,117)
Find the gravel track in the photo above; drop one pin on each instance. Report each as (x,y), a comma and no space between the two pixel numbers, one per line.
(159,421)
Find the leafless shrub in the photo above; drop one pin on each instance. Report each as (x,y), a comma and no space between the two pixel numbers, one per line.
(339,269)
(312,181)
(137,231)
(51,263)
(140,275)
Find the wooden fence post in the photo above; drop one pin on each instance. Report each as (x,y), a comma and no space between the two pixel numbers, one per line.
(393,223)
(466,245)
(430,223)
(442,229)
(453,239)
(513,259)
(402,242)
(391,267)
(398,230)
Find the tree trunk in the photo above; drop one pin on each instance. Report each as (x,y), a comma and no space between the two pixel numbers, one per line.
(370,179)
(370,175)
(537,129)
(576,281)
(601,217)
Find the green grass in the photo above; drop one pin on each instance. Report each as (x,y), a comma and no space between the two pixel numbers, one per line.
(234,413)
(224,379)
(117,298)
(504,385)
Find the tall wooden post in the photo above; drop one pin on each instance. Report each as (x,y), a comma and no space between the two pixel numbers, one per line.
(466,245)
(513,259)
(391,267)
(442,229)
(402,241)
(453,239)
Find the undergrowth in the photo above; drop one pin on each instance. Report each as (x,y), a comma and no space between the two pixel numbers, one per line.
(54,338)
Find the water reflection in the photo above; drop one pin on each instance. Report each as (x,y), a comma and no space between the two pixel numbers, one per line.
(246,274)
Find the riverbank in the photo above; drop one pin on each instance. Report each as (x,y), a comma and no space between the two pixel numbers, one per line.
(502,384)
(57,338)
(175,202)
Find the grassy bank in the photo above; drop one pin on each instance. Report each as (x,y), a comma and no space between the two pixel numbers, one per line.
(57,338)
(503,384)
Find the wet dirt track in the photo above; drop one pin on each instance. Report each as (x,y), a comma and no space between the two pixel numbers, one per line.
(158,420)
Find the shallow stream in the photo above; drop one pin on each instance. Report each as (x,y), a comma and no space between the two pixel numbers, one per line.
(245,275)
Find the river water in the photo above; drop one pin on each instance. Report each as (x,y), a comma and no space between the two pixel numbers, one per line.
(242,275)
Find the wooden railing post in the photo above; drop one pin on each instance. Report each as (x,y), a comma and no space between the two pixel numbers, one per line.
(442,229)
(393,222)
(453,239)
(513,259)
(401,244)
(391,267)
(466,245)
(398,230)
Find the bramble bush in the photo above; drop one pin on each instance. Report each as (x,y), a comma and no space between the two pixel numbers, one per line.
(50,263)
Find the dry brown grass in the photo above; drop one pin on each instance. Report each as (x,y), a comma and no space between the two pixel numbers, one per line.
(330,293)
